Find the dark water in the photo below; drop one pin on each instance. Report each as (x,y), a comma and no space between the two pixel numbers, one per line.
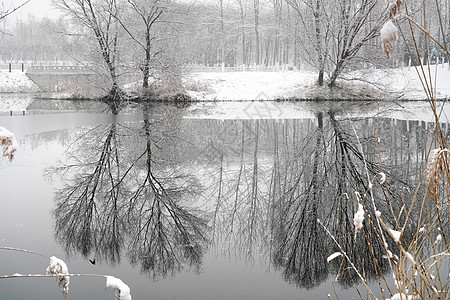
(198,208)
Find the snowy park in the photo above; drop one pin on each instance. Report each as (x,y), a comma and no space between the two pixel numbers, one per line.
(226,150)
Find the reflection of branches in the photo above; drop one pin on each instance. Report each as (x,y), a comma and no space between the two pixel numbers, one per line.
(349,164)
(310,177)
(240,223)
(300,244)
(88,213)
(167,234)
(113,197)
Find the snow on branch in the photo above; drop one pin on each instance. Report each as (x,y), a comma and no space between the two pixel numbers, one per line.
(8,143)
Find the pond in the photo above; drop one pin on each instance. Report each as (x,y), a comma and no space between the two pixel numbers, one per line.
(201,201)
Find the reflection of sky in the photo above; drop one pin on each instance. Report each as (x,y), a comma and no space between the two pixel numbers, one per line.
(38,8)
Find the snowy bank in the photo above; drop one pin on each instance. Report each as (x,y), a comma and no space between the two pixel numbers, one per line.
(384,84)
(16,82)
(246,85)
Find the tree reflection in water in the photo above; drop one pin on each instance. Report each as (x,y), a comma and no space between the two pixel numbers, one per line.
(286,177)
(118,195)
(131,188)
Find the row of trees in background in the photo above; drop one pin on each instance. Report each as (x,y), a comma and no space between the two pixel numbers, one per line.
(155,35)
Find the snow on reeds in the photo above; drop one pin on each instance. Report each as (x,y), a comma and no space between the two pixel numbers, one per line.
(121,290)
(358,218)
(419,259)
(8,143)
(388,35)
(58,268)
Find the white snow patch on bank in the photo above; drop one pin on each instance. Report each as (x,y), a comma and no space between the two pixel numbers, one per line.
(247,85)
(402,83)
(16,82)
(405,83)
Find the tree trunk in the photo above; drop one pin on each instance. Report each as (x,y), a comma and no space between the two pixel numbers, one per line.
(320,80)
(257,42)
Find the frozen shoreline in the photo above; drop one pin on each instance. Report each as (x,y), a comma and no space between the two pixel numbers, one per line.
(388,84)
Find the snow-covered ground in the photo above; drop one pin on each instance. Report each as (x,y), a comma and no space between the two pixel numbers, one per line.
(16,82)
(247,85)
(403,83)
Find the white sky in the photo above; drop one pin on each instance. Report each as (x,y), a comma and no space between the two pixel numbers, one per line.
(38,8)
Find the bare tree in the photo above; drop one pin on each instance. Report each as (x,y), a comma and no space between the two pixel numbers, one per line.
(332,40)
(357,24)
(100,18)
(147,12)
(256,14)
(314,17)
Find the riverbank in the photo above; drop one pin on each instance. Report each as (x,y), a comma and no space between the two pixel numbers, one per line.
(387,84)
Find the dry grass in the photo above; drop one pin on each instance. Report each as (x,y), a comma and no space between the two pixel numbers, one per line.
(419,259)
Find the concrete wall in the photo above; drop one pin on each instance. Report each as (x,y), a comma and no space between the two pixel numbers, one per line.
(79,81)
(80,85)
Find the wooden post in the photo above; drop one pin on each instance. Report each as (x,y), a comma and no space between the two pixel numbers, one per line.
(9,67)
(23,68)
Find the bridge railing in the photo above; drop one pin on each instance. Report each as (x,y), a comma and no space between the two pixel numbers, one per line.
(34,69)
(67,67)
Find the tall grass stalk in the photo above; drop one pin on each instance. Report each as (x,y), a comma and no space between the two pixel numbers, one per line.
(419,260)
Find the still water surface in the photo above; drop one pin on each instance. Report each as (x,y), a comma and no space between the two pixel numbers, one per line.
(182,204)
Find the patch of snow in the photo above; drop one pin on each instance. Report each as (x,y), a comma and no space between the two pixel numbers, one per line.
(388,35)
(395,235)
(8,143)
(226,86)
(16,82)
(358,218)
(334,256)
(438,239)
(400,296)
(410,257)
(121,290)
(402,83)
(383,177)
(58,267)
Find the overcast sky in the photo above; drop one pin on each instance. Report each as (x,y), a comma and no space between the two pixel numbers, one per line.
(39,8)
